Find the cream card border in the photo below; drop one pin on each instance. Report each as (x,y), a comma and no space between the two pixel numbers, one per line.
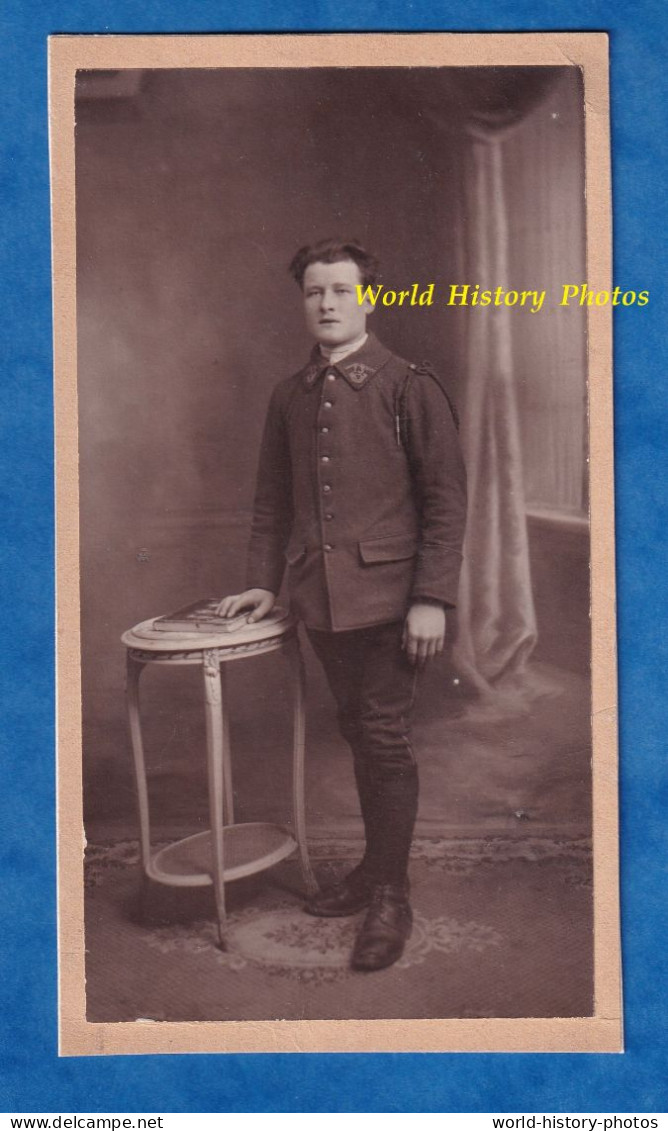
(603,1031)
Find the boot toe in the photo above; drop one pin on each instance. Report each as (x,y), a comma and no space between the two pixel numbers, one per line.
(383,935)
(378,953)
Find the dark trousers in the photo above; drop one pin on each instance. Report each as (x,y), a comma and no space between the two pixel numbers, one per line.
(374,686)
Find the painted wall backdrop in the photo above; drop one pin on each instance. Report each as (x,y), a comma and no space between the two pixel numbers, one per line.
(626,1083)
(194,189)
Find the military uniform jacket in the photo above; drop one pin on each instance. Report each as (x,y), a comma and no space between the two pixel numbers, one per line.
(360,489)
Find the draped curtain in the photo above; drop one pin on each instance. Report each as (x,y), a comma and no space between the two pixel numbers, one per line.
(497,620)
(522,404)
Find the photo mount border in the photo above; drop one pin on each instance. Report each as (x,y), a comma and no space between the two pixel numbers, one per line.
(587,50)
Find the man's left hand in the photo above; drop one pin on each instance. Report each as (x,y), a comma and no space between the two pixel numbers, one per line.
(424,633)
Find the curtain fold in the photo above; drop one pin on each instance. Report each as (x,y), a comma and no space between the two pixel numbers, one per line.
(496,619)
(524,393)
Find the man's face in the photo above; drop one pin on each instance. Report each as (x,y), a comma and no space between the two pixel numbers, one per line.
(333,314)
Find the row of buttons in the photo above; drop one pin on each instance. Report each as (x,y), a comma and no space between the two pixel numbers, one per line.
(328,404)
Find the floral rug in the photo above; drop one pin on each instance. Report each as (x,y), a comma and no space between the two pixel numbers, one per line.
(269,936)
(455,855)
(284,941)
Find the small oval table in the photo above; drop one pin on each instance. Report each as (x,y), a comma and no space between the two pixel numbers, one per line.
(227,851)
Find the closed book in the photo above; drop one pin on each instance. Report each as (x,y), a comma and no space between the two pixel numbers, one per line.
(200,617)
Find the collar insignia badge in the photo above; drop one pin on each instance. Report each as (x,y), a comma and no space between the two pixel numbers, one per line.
(358,373)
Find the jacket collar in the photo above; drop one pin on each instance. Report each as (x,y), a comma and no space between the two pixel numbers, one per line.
(357,368)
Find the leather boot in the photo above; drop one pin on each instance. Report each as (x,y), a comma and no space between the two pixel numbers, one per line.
(386,927)
(348,896)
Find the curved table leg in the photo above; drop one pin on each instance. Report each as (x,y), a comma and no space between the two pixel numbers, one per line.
(228,793)
(215,757)
(134,670)
(299,735)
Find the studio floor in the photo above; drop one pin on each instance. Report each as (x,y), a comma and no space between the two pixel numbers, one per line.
(501,878)
(502,929)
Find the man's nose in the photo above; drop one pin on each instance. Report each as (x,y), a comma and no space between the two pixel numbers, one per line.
(327,300)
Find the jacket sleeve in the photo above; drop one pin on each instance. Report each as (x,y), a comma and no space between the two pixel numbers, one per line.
(439,478)
(272,508)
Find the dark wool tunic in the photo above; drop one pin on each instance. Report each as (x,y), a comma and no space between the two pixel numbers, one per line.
(361,488)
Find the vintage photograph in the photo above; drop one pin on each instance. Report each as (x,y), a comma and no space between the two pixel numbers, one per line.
(338,432)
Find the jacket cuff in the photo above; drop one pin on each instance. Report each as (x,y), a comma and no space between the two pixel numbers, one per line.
(427,599)
(437,576)
(265,576)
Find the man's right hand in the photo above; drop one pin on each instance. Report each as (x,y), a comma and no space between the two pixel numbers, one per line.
(259,601)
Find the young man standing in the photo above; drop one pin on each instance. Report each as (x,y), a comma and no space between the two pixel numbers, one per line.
(361,489)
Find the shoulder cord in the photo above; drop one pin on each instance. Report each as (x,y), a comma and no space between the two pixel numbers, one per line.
(401,418)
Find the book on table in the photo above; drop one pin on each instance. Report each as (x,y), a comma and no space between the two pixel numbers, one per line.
(201,616)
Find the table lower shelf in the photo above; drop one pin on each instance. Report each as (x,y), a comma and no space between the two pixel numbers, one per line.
(247,849)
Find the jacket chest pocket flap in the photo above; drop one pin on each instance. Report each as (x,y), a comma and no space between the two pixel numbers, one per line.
(391,548)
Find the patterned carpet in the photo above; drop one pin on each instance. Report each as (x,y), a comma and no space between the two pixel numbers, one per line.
(502,928)
(280,939)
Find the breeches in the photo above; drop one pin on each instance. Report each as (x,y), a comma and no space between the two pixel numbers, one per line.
(374,685)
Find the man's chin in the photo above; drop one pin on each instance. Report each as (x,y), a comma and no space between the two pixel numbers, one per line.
(331,336)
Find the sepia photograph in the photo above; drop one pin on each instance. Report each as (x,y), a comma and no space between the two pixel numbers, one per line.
(336,592)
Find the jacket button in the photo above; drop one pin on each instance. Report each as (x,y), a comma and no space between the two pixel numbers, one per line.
(327,488)
(329,517)
(324,459)
(324,431)
(328,404)
(331,376)
(328,547)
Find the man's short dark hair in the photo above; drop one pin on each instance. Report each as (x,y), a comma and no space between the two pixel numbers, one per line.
(335,251)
